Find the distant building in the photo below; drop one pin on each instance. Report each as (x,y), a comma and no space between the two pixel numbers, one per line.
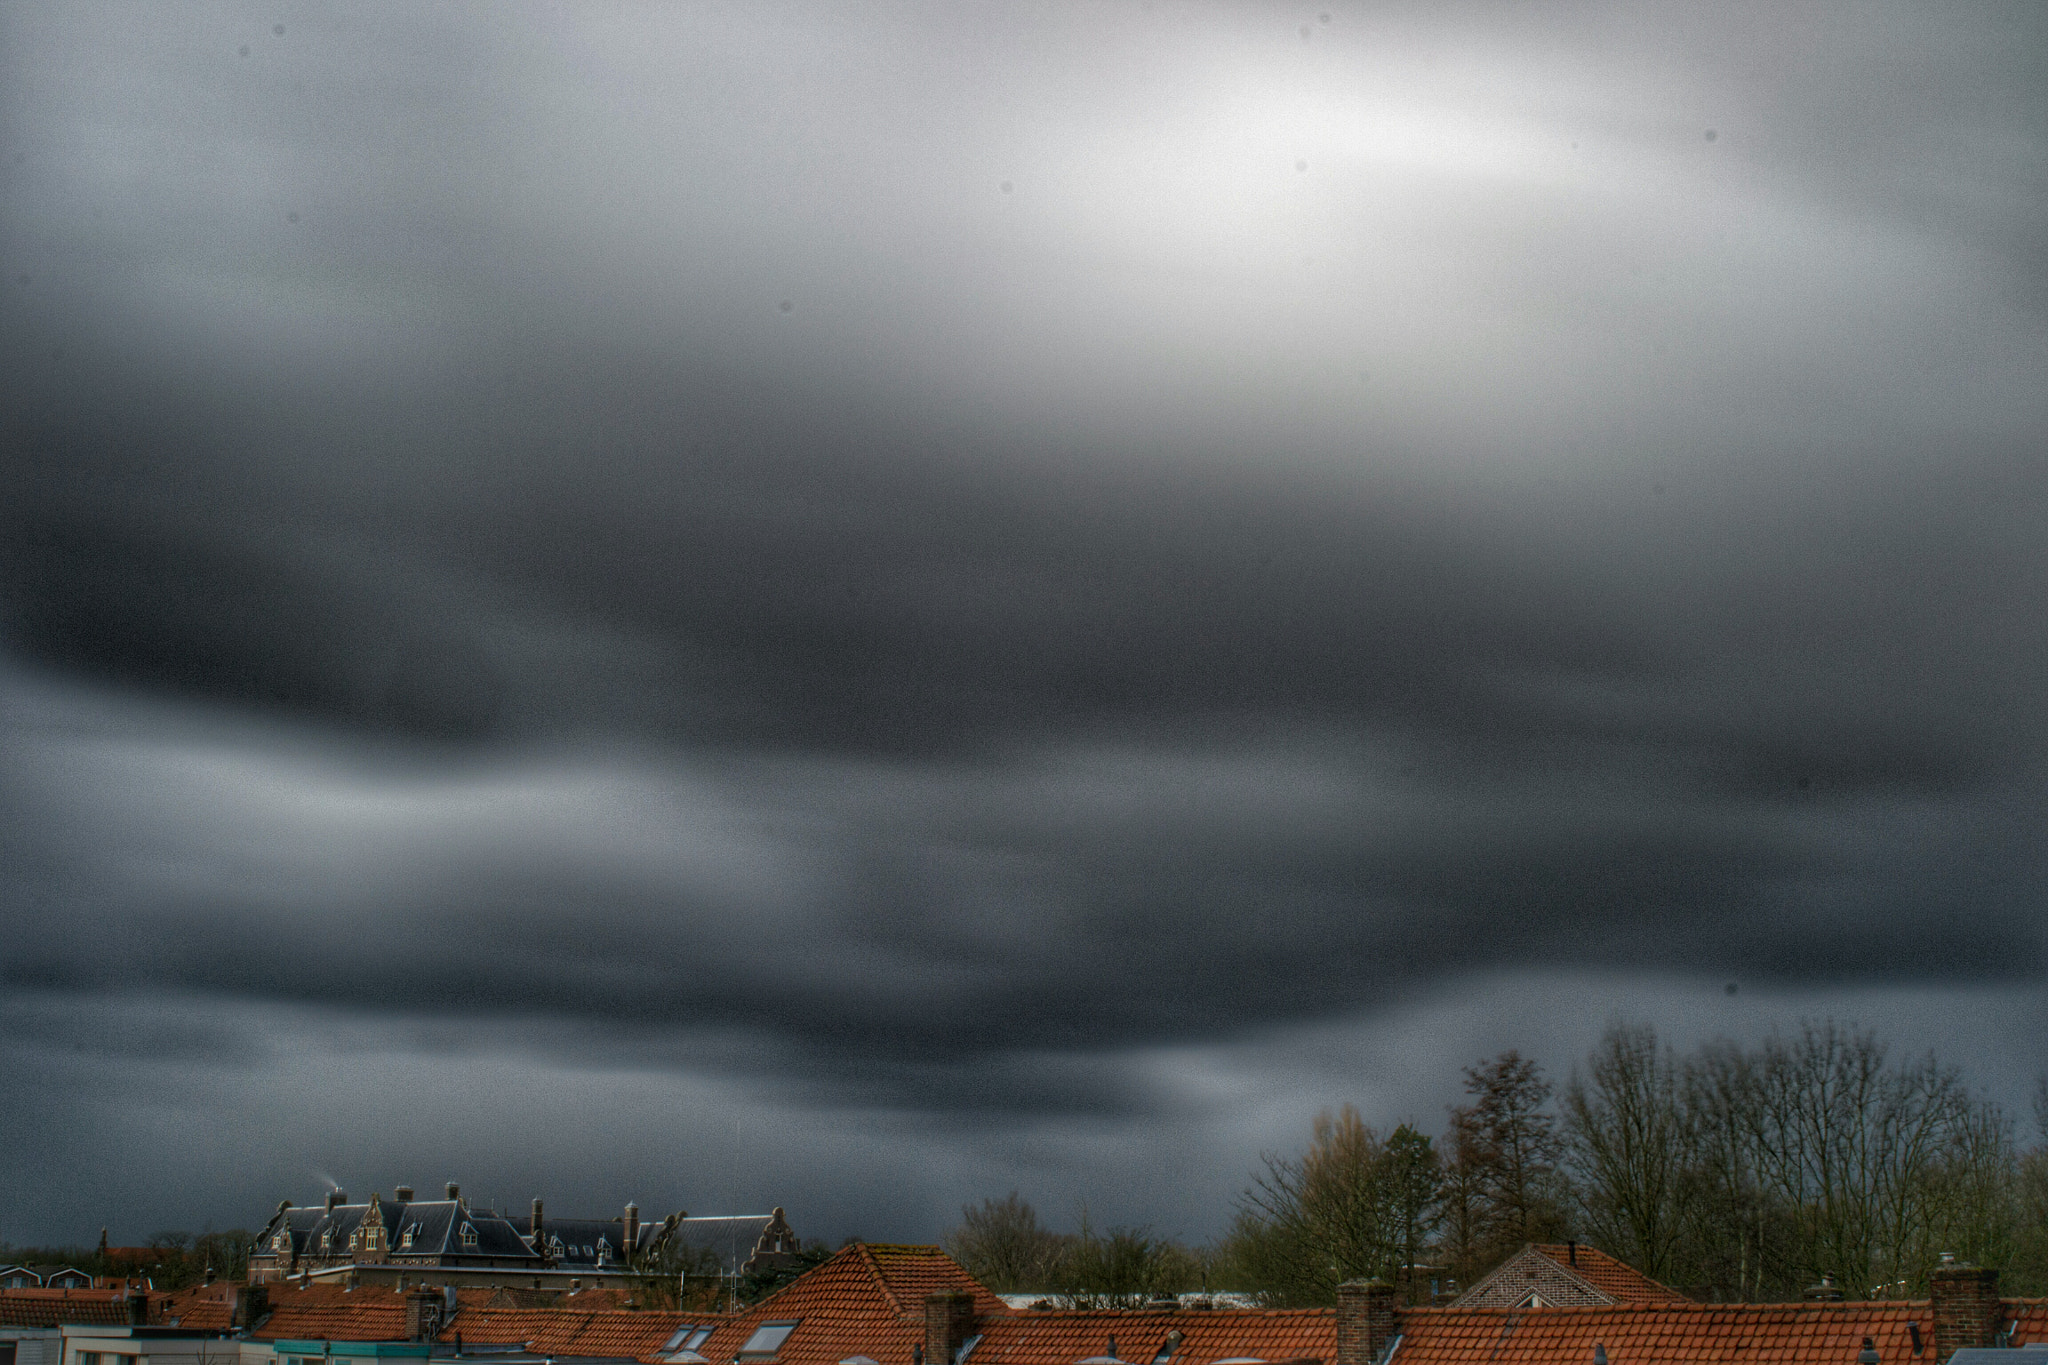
(1561,1275)
(446,1242)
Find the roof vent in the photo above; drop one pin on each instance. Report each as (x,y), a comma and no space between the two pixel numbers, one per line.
(1868,1355)
(1599,1354)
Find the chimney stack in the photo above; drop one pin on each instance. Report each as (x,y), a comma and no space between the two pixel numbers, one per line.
(138,1308)
(1966,1307)
(422,1314)
(403,1194)
(948,1323)
(250,1306)
(533,1226)
(334,1197)
(632,1229)
(1366,1321)
(454,1190)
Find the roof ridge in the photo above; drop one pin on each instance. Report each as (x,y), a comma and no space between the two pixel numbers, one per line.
(867,1258)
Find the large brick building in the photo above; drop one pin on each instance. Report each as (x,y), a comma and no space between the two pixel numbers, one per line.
(447,1242)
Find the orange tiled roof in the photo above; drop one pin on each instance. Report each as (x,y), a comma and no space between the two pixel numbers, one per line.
(1668,1334)
(615,1334)
(1062,1338)
(329,1312)
(909,1273)
(867,1300)
(1611,1276)
(202,1307)
(50,1307)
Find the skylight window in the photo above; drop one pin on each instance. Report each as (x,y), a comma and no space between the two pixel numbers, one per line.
(677,1340)
(767,1339)
(702,1335)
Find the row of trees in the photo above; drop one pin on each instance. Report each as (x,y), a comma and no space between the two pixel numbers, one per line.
(1730,1173)
(170,1260)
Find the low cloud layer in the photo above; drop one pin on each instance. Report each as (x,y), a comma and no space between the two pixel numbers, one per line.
(905,566)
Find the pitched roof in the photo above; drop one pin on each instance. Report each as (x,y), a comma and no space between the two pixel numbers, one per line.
(32,1307)
(908,1274)
(866,1300)
(1063,1338)
(330,1312)
(614,1334)
(1676,1334)
(1560,1274)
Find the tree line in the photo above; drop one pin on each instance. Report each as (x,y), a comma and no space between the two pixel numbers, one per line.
(1730,1173)
(170,1260)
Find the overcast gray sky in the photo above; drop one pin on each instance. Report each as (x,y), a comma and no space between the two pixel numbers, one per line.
(860,606)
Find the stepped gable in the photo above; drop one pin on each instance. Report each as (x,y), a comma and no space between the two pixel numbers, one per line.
(1669,1334)
(1564,1274)
(1061,1337)
(866,1300)
(610,1334)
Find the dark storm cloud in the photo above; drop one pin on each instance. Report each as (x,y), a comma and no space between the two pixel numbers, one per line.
(922,559)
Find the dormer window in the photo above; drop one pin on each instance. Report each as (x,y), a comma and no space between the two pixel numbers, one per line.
(469,1234)
(282,1242)
(327,1239)
(405,1237)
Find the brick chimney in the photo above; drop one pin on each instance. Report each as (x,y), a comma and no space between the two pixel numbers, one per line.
(533,1224)
(403,1194)
(1966,1307)
(1366,1321)
(138,1308)
(251,1306)
(632,1229)
(336,1197)
(948,1322)
(422,1314)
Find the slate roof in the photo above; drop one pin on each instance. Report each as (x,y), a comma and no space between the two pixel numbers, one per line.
(1064,1337)
(581,1241)
(730,1239)
(1563,1274)
(435,1225)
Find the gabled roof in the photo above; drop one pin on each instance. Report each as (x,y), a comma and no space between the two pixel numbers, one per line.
(612,1334)
(1065,1337)
(866,1300)
(435,1224)
(908,1274)
(1563,1274)
(1604,1272)
(1683,1333)
(27,1307)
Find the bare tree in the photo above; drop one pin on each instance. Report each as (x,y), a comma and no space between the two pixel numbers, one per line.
(1354,1204)
(1002,1244)
(1631,1147)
